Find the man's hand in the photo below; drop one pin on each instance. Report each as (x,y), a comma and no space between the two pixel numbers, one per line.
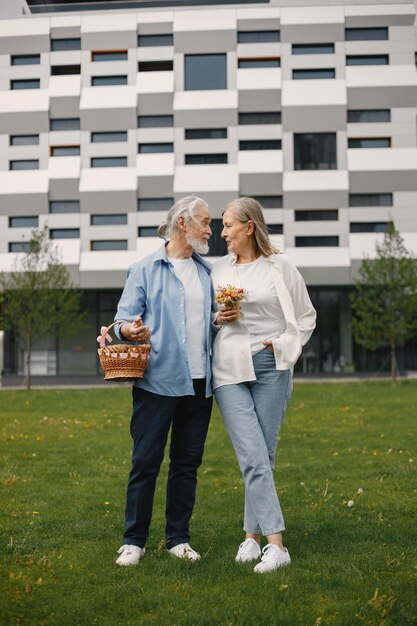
(136,331)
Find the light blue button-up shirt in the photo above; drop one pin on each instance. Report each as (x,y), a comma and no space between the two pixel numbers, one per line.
(154,292)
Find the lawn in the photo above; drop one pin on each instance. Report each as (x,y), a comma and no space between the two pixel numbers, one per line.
(346,474)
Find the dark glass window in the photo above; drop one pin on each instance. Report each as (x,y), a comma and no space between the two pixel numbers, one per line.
(64,206)
(61,151)
(147,231)
(24,164)
(151,148)
(206,133)
(69,123)
(273,117)
(25,59)
(366,34)
(367,59)
(217,245)
(269,202)
(315,151)
(370,199)
(358,116)
(64,233)
(369,142)
(254,63)
(313,48)
(108,244)
(19,246)
(65,70)
(319,241)
(260,144)
(100,81)
(258,36)
(24,221)
(313,74)
(106,220)
(155,40)
(205,159)
(109,162)
(155,204)
(316,215)
(368,227)
(111,55)
(111,136)
(59,45)
(24,140)
(205,71)
(25,83)
(275,229)
(155,121)
(155,66)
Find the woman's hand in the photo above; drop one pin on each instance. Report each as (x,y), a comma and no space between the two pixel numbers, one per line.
(268,343)
(225,316)
(136,331)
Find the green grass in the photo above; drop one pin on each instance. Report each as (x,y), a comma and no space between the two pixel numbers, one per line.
(64,460)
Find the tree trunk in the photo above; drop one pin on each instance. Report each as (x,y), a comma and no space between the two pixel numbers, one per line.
(29,357)
(393,360)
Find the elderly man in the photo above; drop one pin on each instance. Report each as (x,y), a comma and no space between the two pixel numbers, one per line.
(168,294)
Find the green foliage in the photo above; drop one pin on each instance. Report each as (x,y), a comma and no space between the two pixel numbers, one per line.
(64,463)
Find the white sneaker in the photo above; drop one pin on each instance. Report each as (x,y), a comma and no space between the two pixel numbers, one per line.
(249,550)
(129,555)
(184,551)
(272,558)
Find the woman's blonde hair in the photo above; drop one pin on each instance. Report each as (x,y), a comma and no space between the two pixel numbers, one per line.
(249,210)
(184,207)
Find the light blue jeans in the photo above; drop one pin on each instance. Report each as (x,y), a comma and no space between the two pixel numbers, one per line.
(253,413)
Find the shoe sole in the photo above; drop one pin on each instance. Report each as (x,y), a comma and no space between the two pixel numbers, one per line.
(268,571)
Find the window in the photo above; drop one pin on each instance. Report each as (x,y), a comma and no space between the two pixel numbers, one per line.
(369,227)
(64,206)
(206,133)
(24,164)
(24,221)
(260,144)
(112,136)
(59,45)
(100,81)
(151,148)
(366,34)
(69,123)
(370,199)
(316,241)
(25,59)
(275,229)
(19,246)
(217,245)
(64,233)
(359,116)
(315,151)
(313,48)
(24,140)
(258,36)
(155,40)
(155,66)
(367,59)
(106,220)
(155,204)
(109,162)
(26,83)
(205,159)
(61,151)
(264,62)
(109,55)
(260,118)
(317,215)
(205,71)
(369,142)
(155,121)
(313,74)
(65,70)
(269,202)
(148,231)
(108,244)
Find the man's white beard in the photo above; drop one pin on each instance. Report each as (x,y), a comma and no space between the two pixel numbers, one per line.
(199,246)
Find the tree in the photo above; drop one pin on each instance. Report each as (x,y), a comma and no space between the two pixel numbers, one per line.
(38,297)
(384,302)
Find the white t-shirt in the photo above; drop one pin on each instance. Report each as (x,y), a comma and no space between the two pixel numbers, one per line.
(187,272)
(262,310)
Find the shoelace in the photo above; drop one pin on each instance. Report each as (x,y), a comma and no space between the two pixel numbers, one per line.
(245,545)
(126,549)
(267,550)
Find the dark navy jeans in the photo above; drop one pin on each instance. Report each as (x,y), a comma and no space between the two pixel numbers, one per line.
(152,417)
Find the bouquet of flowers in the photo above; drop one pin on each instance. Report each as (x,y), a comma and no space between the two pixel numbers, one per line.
(231,297)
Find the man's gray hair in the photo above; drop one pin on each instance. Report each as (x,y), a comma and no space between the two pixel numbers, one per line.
(184,207)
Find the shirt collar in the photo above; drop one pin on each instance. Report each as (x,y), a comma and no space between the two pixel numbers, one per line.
(161,255)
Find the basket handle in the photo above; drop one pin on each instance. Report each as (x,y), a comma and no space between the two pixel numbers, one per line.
(102,337)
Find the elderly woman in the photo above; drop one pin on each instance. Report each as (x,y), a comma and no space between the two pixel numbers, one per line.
(253,357)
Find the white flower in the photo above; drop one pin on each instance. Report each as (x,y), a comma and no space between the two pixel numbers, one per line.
(350,503)
(360,490)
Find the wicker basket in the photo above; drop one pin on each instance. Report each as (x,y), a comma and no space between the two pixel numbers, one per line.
(124,362)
